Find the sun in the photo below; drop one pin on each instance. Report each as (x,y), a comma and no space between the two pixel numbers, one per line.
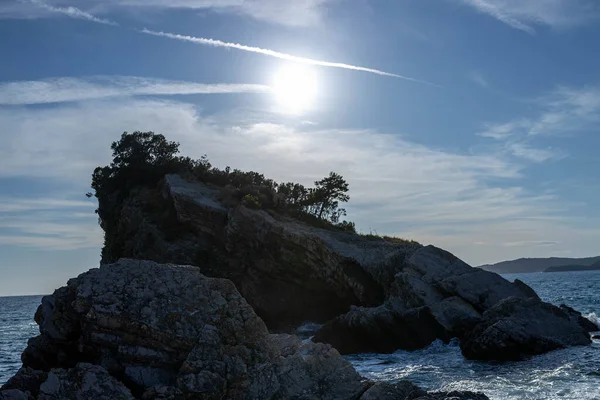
(295,88)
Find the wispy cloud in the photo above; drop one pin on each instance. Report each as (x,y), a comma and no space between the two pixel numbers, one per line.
(537,243)
(48,223)
(525,14)
(479,79)
(51,232)
(538,155)
(276,54)
(563,111)
(14,205)
(73,12)
(397,186)
(297,13)
(503,131)
(58,90)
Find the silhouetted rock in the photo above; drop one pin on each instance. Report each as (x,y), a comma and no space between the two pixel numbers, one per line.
(403,390)
(576,316)
(515,328)
(288,271)
(433,296)
(405,295)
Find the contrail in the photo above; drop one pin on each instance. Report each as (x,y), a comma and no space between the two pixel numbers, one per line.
(59,90)
(276,54)
(74,12)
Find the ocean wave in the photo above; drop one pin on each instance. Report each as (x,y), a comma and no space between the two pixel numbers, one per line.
(594,318)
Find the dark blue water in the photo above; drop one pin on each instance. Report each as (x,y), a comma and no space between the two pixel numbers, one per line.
(570,374)
(16,326)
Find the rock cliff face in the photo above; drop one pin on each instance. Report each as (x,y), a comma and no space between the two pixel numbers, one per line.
(142,330)
(289,272)
(374,295)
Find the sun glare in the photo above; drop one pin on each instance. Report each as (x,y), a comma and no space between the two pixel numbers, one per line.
(295,88)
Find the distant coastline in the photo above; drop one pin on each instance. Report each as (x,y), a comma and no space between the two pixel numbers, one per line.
(526,265)
(567,268)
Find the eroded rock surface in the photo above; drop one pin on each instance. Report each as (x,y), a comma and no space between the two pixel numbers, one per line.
(164,330)
(433,296)
(517,327)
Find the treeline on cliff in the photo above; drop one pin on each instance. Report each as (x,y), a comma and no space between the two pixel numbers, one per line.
(144,158)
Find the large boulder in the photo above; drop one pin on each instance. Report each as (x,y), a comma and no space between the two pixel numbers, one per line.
(169,329)
(404,390)
(515,328)
(434,295)
(381,330)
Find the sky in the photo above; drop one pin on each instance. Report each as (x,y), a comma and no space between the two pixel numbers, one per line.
(472,125)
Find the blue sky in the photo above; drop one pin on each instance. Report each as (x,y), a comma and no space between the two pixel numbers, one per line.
(469,124)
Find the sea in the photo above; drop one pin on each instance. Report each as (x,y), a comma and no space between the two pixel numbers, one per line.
(569,374)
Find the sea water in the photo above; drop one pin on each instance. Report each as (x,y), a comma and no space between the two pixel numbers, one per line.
(569,374)
(572,373)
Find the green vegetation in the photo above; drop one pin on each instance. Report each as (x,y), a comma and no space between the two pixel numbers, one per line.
(391,239)
(143,158)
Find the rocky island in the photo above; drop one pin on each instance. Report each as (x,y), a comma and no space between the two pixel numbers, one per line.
(206,273)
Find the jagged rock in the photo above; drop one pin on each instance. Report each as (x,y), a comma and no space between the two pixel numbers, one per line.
(516,327)
(454,396)
(169,332)
(27,380)
(402,390)
(13,394)
(434,296)
(576,316)
(84,381)
(381,330)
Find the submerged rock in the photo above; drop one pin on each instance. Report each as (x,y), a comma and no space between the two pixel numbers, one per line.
(515,328)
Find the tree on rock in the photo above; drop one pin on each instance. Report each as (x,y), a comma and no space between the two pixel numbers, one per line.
(140,149)
(327,195)
(138,157)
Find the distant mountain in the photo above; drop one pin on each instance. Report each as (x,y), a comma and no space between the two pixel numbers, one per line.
(537,264)
(564,268)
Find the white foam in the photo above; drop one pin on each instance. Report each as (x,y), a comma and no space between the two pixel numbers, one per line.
(594,318)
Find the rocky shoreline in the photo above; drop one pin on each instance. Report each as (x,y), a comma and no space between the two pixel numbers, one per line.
(372,295)
(141,330)
(196,297)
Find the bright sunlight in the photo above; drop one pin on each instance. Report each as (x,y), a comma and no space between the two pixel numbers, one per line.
(295,88)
